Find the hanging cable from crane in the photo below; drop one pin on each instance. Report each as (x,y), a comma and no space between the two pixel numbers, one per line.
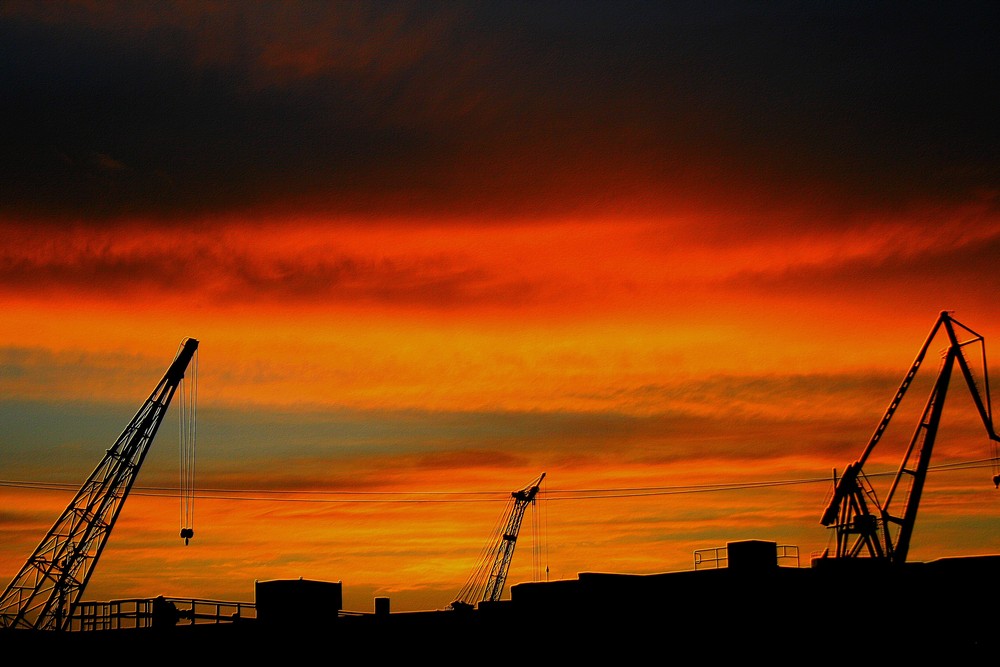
(187,442)
(539,538)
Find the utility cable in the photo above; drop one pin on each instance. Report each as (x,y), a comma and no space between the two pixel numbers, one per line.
(409,497)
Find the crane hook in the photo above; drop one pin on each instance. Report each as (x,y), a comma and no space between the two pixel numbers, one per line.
(187,534)
(996,481)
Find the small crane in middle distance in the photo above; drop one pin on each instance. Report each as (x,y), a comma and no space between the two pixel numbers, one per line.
(487,586)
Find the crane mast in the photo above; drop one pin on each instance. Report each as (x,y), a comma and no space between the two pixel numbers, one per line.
(44,593)
(864,525)
(502,551)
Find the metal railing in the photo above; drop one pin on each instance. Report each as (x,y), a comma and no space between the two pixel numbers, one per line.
(157,612)
(718,557)
(788,553)
(715,557)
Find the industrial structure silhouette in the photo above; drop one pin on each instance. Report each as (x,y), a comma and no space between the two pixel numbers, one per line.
(749,598)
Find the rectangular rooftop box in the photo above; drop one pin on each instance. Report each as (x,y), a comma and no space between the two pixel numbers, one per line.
(752,555)
(298,602)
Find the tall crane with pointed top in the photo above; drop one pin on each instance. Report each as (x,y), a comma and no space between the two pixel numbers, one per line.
(486,583)
(868,527)
(43,595)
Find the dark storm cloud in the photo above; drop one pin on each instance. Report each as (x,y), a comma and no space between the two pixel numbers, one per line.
(153,109)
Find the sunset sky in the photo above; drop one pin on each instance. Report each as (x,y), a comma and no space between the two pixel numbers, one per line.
(678,256)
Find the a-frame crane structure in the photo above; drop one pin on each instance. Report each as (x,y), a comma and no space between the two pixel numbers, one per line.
(486,583)
(43,595)
(868,528)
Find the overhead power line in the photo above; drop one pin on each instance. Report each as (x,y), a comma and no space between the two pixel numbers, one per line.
(404,497)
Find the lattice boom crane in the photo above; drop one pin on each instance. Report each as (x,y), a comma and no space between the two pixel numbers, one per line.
(486,585)
(44,593)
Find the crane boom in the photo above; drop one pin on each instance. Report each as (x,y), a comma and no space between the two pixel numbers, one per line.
(502,551)
(44,593)
(865,526)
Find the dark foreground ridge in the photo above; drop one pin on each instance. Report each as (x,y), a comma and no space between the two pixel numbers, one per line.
(836,609)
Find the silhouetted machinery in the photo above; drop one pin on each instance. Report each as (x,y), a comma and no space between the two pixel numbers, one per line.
(45,592)
(487,580)
(866,527)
